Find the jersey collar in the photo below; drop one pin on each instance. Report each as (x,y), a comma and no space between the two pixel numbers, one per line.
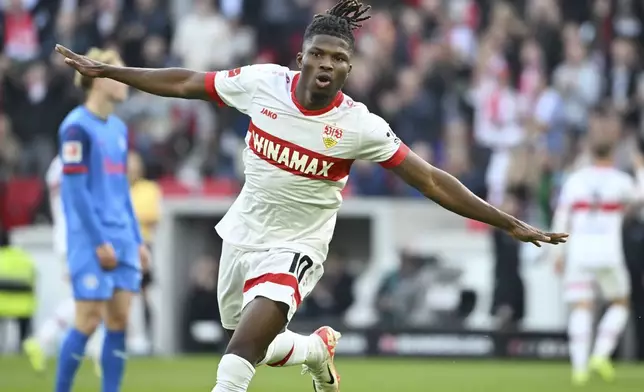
(337,101)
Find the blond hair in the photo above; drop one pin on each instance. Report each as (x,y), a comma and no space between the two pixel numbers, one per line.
(107,56)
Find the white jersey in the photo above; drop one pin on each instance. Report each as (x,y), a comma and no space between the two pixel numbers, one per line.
(591,208)
(297,161)
(53,178)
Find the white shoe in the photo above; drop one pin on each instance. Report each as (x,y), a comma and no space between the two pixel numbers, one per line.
(325,376)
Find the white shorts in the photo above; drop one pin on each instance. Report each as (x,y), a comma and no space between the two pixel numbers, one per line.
(580,283)
(280,275)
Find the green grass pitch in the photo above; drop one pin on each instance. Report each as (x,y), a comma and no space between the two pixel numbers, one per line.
(197,374)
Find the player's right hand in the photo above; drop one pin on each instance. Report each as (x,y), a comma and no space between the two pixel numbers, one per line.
(82,64)
(106,257)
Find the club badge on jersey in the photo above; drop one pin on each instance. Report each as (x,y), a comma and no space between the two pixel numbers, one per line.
(331,136)
(72,152)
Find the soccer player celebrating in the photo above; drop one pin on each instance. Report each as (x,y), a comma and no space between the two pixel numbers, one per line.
(303,136)
(104,246)
(592,205)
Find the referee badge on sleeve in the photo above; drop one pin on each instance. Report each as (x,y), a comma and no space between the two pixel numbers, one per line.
(72,152)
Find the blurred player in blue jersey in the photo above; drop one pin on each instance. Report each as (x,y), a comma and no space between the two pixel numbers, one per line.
(104,247)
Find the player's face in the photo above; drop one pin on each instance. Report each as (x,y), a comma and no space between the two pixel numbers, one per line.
(325,64)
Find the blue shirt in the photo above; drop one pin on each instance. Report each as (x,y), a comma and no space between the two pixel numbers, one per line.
(95,190)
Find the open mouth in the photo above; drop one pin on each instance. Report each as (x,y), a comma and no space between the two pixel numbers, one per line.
(323,80)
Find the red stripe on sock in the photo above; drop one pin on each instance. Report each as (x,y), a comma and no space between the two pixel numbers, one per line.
(283,361)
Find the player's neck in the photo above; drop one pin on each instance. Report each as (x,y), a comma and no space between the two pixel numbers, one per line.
(311,102)
(603,163)
(101,108)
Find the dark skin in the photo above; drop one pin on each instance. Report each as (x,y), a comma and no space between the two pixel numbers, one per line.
(325,62)
(322,56)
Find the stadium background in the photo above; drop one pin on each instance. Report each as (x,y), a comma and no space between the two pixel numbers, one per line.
(472,86)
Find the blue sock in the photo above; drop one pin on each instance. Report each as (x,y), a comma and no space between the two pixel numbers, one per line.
(113,360)
(69,359)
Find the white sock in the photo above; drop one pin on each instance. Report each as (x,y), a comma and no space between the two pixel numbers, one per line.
(53,328)
(290,349)
(580,327)
(610,329)
(234,374)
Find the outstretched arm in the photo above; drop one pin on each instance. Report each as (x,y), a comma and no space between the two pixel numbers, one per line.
(168,82)
(451,194)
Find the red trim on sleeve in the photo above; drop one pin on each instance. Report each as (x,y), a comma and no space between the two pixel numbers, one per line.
(280,279)
(211,89)
(398,157)
(76,169)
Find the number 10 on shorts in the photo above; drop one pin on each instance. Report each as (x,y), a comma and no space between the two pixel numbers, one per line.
(300,265)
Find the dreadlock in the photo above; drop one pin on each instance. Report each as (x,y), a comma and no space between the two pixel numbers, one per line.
(339,21)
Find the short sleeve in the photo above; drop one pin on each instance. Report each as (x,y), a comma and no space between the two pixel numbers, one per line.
(378,143)
(74,150)
(235,87)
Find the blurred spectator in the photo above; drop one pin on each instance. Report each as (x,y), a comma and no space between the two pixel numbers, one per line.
(508,304)
(19,29)
(402,293)
(145,20)
(201,315)
(146,201)
(333,294)
(621,81)
(36,102)
(9,149)
(203,38)
(579,83)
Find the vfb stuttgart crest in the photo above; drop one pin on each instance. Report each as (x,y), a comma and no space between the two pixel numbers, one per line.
(331,136)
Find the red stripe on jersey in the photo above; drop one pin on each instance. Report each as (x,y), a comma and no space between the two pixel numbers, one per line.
(76,169)
(603,207)
(296,159)
(398,157)
(211,89)
(337,101)
(280,279)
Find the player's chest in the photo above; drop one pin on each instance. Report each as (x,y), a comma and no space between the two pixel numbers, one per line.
(110,151)
(279,126)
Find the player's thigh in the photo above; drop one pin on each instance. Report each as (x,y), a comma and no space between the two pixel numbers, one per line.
(579,285)
(117,310)
(88,315)
(127,283)
(230,285)
(614,283)
(282,276)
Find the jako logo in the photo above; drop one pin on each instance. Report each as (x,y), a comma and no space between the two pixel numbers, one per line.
(268,113)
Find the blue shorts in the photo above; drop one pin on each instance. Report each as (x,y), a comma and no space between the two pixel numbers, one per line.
(91,283)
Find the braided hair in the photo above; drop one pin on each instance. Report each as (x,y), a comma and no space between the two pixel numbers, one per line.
(339,21)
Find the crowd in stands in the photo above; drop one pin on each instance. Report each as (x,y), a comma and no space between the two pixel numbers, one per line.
(495,92)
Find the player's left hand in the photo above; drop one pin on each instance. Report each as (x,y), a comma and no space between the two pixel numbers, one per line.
(523,232)
(144,256)
(82,64)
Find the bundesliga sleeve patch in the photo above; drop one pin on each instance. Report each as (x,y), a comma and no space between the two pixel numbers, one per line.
(72,152)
